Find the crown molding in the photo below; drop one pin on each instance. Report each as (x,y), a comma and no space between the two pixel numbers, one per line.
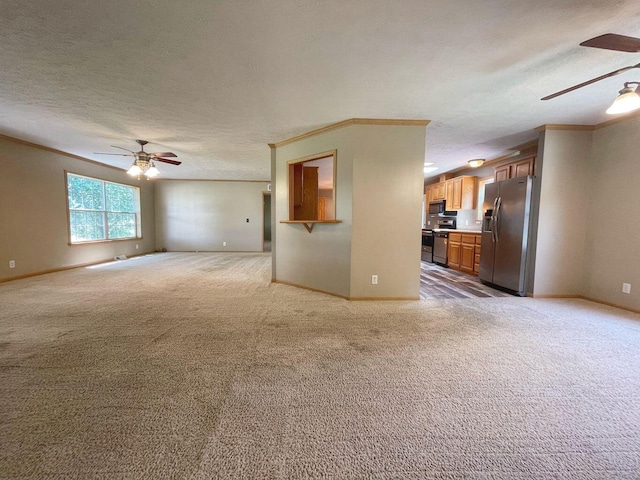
(58,152)
(346,123)
(560,126)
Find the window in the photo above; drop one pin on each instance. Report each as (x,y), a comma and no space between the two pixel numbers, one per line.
(481,184)
(312,188)
(100,210)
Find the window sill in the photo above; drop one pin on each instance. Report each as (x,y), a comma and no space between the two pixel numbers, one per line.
(309,224)
(93,242)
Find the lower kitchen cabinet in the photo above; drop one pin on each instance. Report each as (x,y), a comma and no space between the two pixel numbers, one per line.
(467,253)
(453,254)
(464,252)
(476,261)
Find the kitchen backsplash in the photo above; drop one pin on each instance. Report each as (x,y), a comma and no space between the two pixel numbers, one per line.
(466,220)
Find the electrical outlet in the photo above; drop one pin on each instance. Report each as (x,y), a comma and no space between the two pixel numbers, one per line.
(137,246)
(374,279)
(626,288)
(247,220)
(12,264)
(224,244)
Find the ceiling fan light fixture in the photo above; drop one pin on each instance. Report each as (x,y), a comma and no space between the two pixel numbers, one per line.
(152,171)
(476,162)
(627,101)
(135,170)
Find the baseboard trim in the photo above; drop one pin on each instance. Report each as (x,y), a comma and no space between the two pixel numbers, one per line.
(558,296)
(317,290)
(70,267)
(590,299)
(352,299)
(384,299)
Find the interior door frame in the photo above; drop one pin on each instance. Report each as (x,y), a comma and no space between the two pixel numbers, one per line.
(265,194)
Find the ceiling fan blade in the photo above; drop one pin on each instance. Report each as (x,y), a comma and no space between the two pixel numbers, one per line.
(119,154)
(163,154)
(613,41)
(589,82)
(166,160)
(122,148)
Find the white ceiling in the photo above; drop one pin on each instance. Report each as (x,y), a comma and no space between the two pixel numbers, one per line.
(215,81)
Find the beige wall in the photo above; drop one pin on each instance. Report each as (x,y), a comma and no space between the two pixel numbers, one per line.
(378,199)
(563,217)
(613,240)
(387,210)
(320,259)
(202,215)
(33,212)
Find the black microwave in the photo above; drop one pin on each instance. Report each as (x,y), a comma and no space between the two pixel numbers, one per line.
(438,207)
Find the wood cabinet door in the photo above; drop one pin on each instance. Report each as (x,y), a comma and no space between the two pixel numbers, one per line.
(449,194)
(456,195)
(440,191)
(454,254)
(502,173)
(522,168)
(431,193)
(467,257)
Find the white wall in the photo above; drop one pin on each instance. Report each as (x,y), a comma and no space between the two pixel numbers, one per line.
(202,215)
(563,216)
(612,253)
(33,212)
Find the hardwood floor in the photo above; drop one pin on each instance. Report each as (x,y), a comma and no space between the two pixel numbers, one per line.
(440,282)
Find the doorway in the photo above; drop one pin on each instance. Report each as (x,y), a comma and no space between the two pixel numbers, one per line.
(266,221)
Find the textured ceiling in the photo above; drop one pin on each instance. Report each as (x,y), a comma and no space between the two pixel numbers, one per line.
(215,81)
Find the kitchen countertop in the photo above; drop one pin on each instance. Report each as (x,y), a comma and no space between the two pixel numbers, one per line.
(456,230)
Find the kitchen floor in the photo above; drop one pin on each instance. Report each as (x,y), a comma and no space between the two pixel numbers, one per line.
(440,282)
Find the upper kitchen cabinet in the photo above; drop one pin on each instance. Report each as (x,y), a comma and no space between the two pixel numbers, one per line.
(461,193)
(519,168)
(435,192)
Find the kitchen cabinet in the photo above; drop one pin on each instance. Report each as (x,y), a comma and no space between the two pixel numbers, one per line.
(467,253)
(454,250)
(476,262)
(461,193)
(519,168)
(435,192)
(464,252)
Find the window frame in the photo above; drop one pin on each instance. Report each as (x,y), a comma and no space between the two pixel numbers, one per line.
(480,193)
(105,212)
(290,184)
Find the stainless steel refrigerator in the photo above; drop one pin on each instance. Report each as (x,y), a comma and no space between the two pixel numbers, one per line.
(505,228)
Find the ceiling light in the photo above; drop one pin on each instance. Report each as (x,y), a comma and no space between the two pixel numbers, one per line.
(627,101)
(152,171)
(476,162)
(143,166)
(428,164)
(430,169)
(135,170)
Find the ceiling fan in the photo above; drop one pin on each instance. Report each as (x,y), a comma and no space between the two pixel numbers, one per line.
(143,162)
(629,98)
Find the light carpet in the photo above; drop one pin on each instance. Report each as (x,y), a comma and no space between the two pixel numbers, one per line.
(195,366)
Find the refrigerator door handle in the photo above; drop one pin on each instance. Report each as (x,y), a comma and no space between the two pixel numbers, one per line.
(496,221)
(492,222)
